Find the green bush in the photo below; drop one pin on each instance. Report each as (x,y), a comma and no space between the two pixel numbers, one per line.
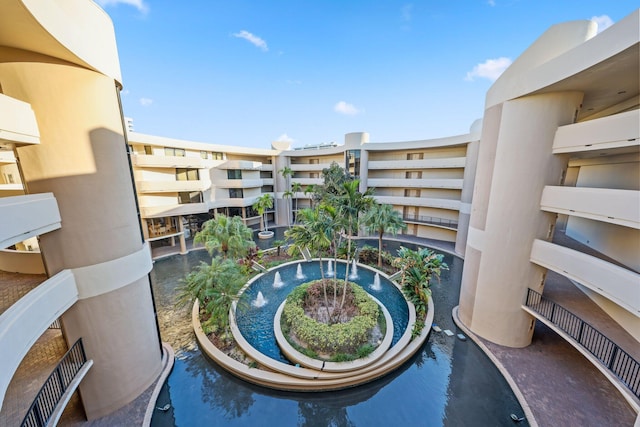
(336,338)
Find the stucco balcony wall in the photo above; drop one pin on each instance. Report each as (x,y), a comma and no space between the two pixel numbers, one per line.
(619,130)
(419,201)
(171,186)
(26,320)
(239,183)
(615,283)
(27,216)
(173,210)
(445,163)
(17,122)
(150,161)
(455,184)
(306,167)
(241,165)
(621,207)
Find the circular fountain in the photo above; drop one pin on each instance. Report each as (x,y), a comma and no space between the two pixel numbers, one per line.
(254,331)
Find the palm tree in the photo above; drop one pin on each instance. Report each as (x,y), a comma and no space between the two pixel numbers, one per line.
(216,287)
(226,234)
(310,189)
(295,188)
(350,203)
(287,195)
(313,233)
(383,219)
(261,205)
(418,267)
(286,172)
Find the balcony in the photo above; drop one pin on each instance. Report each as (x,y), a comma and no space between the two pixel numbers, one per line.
(425,202)
(308,181)
(621,207)
(171,186)
(444,163)
(173,210)
(27,216)
(619,285)
(149,161)
(612,133)
(306,167)
(18,124)
(451,224)
(454,184)
(245,165)
(238,183)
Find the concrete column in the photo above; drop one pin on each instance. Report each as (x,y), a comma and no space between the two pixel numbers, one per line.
(280,185)
(183,243)
(364,170)
(466,196)
(515,163)
(82,159)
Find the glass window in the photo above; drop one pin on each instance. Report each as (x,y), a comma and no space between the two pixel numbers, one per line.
(234,174)
(185,197)
(236,193)
(204,154)
(147,150)
(171,151)
(352,163)
(217,156)
(184,174)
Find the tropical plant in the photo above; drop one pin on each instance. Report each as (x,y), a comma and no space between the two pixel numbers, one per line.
(228,235)
(286,172)
(311,190)
(296,187)
(288,195)
(417,269)
(216,287)
(261,205)
(383,219)
(312,233)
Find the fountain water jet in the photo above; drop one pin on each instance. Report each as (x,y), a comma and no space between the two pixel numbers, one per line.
(299,274)
(330,268)
(277,281)
(376,283)
(353,274)
(259,301)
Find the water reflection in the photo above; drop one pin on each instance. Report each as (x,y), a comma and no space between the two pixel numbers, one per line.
(448,382)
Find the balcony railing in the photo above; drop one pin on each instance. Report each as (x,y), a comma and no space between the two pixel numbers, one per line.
(52,391)
(449,223)
(618,361)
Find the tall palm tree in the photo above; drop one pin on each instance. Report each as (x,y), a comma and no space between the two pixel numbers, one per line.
(310,189)
(296,187)
(227,235)
(313,233)
(351,203)
(261,205)
(288,195)
(383,219)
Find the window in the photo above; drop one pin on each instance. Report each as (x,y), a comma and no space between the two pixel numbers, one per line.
(314,161)
(217,156)
(147,150)
(236,193)
(185,197)
(352,163)
(411,193)
(10,178)
(314,175)
(267,189)
(183,174)
(234,174)
(170,151)
(414,156)
(413,174)
(204,154)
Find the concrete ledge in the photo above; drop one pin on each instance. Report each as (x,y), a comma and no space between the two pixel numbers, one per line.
(507,376)
(354,365)
(168,359)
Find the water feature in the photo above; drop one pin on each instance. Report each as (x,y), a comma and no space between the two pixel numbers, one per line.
(277,281)
(353,274)
(376,283)
(260,301)
(299,274)
(256,325)
(448,383)
(330,268)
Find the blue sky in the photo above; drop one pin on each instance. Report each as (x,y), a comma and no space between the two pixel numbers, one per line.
(247,73)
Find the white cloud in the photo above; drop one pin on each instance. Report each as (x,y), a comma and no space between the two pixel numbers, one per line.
(253,39)
(603,22)
(138,4)
(346,108)
(489,69)
(285,138)
(145,102)
(491,3)
(405,12)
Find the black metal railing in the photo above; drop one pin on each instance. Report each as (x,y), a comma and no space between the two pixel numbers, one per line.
(51,392)
(55,324)
(451,223)
(618,361)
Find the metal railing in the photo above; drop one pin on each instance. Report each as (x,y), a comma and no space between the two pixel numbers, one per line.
(618,361)
(53,389)
(55,324)
(451,223)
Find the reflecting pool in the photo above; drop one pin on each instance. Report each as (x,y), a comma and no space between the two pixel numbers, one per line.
(449,382)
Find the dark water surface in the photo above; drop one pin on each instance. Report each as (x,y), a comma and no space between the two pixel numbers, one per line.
(449,382)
